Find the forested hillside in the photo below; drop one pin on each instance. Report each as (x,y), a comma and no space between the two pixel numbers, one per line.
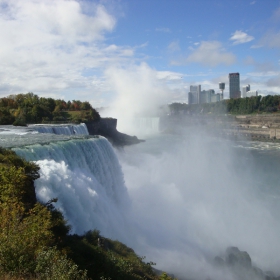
(248,105)
(22,109)
(35,242)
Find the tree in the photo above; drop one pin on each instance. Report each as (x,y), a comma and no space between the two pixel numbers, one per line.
(5,116)
(85,106)
(25,226)
(28,227)
(47,103)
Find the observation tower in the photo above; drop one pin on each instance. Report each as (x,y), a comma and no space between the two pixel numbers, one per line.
(222,87)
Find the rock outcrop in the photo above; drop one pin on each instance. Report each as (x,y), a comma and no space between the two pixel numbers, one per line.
(107,127)
(239,264)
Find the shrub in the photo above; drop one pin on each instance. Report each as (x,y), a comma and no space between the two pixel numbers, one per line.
(19,122)
(22,234)
(53,265)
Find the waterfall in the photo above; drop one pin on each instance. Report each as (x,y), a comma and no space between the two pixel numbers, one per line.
(86,177)
(147,126)
(67,129)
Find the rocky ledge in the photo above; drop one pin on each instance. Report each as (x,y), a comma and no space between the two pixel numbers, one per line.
(263,127)
(239,264)
(107,127)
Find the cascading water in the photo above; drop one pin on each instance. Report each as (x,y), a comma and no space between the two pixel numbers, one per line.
(146,126)
(191,195)
(86,176)
(67,129)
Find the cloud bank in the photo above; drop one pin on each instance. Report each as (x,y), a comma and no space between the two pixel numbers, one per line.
(211,53)
(52,45)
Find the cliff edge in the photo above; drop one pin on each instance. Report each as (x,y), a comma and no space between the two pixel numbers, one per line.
(107,127)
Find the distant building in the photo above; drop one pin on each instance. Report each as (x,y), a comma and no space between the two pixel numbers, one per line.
(251,93)
(234,85)
(216,97)
(209,96)
(222,88)
(205,96)
(194,94)
(198,96)
(245,89)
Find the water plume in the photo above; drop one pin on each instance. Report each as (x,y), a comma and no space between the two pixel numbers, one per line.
(193,196)
(138,93)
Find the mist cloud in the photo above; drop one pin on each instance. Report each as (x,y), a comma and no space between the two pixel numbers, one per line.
(138,92)
(194,197)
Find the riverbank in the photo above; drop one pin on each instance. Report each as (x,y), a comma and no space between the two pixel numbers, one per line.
(261,127)
(264,127)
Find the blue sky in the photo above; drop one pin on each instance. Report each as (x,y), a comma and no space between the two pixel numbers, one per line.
(123,52)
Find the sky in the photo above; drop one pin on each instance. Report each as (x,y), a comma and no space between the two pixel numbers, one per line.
(128,51)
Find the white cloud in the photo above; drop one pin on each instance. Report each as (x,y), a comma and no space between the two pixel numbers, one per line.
(253,3)
(144,45)
(263,67)
(168,75)
(276,15)
(47,46)
(274,82)
(174,46)
(211,53)
(263,74)
(271,39)
(256,46)
(240,37)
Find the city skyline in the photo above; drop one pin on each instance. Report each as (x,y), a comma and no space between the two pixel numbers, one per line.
(126,52)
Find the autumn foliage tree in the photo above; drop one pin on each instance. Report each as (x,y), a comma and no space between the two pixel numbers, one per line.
(26,108)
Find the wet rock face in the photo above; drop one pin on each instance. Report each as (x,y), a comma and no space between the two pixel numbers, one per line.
(239,265)
(235,257)
(107,127)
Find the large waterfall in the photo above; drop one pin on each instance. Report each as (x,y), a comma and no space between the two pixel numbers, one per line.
(67,129)
(186,198)
(86,177)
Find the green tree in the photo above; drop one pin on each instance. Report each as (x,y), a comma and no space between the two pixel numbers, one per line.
(51,264)
(5,116)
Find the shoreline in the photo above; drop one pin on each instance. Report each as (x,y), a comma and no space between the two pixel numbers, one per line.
(265,128)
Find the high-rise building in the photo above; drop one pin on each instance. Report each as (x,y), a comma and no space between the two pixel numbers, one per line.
(194,94)
(205,96)
(234,85)
(245,89)
(208,96)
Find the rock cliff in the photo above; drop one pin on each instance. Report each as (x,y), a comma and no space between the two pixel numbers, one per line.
(107,127)
(239,264)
